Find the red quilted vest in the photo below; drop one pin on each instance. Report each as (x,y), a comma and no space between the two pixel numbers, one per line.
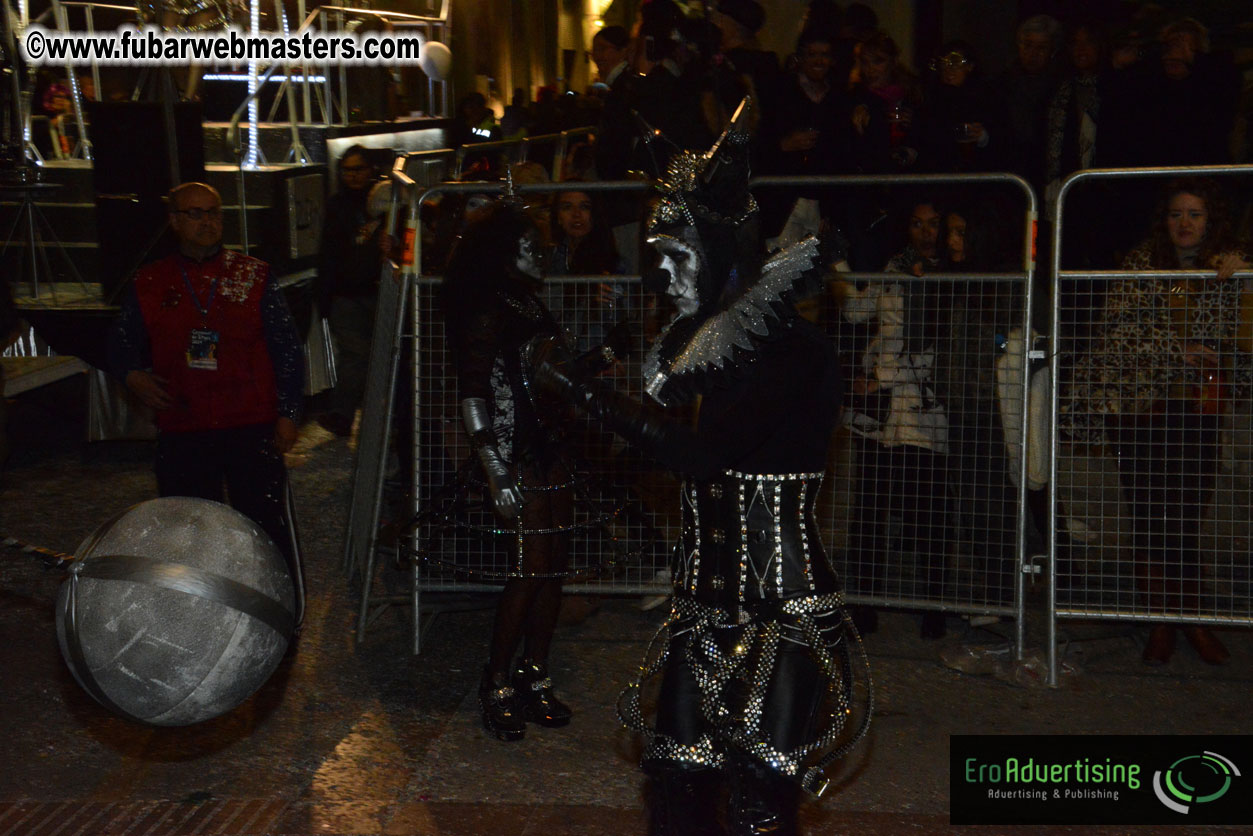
(242,390)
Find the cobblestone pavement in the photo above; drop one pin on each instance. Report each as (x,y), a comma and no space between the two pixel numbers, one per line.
(370,739)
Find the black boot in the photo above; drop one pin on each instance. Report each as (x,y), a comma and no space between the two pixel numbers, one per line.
(501,708)
(535,693)
(684,802)
(762,801)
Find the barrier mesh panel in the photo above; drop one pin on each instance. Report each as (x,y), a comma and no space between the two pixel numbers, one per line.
(1155,447)
(625,507)
(928,511)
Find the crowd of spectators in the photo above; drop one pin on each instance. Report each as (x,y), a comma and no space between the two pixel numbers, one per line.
(930,450)
(1149,88)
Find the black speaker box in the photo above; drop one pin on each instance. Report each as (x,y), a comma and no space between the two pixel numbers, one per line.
(132,172)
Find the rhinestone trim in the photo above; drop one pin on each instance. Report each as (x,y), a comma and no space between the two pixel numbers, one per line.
(804,529)
(778,538)
(773,477)
(690,497)
(751,659)
(743,540)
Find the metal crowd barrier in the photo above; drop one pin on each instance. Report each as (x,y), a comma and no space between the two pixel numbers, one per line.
(945,531)
(630,507)
(1108,559)
(623,538)
(519,150)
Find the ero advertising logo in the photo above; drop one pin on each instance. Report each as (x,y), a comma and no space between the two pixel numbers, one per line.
(1099,779)
(1194,779)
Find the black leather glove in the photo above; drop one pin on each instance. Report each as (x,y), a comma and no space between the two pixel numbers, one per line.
(667,441)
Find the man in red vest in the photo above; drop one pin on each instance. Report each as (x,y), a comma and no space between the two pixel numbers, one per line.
(206,340)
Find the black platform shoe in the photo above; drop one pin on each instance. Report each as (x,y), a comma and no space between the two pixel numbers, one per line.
(535,692)
(501,708)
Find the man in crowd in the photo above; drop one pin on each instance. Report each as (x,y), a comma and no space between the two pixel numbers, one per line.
(206,340)
(1026,89)
(617,136)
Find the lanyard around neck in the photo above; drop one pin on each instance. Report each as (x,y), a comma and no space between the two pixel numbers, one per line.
(213,289)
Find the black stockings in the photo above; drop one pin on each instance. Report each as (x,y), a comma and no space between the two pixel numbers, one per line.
(527,611)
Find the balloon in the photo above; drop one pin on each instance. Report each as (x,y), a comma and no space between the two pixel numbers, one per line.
(435,60)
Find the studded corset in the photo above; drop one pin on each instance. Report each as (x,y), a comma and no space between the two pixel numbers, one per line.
(752,538)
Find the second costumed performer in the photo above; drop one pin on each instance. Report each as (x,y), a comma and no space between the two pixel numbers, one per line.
(492,312)
(756,659)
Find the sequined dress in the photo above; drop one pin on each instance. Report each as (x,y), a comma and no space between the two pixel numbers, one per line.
(489,351)
(488,355)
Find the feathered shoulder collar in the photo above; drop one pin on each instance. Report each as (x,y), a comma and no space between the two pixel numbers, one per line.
(691,355)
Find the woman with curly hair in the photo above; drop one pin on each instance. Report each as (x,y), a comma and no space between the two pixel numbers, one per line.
(1166,358)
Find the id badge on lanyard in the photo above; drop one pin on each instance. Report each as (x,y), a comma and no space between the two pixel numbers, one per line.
(202,349)
(202,343)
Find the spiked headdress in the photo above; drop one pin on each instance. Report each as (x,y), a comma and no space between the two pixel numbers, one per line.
(704,201)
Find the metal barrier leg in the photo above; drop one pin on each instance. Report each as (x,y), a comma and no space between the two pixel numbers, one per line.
(297,557)
(361,539)
(367,582)
(416,592)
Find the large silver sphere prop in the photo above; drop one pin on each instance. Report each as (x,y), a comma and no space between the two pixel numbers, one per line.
(175,611)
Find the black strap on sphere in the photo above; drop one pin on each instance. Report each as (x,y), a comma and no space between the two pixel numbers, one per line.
(192,581)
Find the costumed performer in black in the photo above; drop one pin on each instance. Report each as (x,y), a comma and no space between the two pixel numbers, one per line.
(492,313)
(756,657)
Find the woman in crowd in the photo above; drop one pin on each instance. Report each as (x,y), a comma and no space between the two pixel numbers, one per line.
(979,315)
(1168,356)
(1071,145)
(1075,109)
(492,312)
(583,245)
(901,426)
(885,97)
(806,132)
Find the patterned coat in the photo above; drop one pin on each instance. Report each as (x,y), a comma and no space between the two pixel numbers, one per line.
(1137,360)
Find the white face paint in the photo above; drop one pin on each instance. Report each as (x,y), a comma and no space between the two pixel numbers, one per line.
(682,262)
(528,261)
